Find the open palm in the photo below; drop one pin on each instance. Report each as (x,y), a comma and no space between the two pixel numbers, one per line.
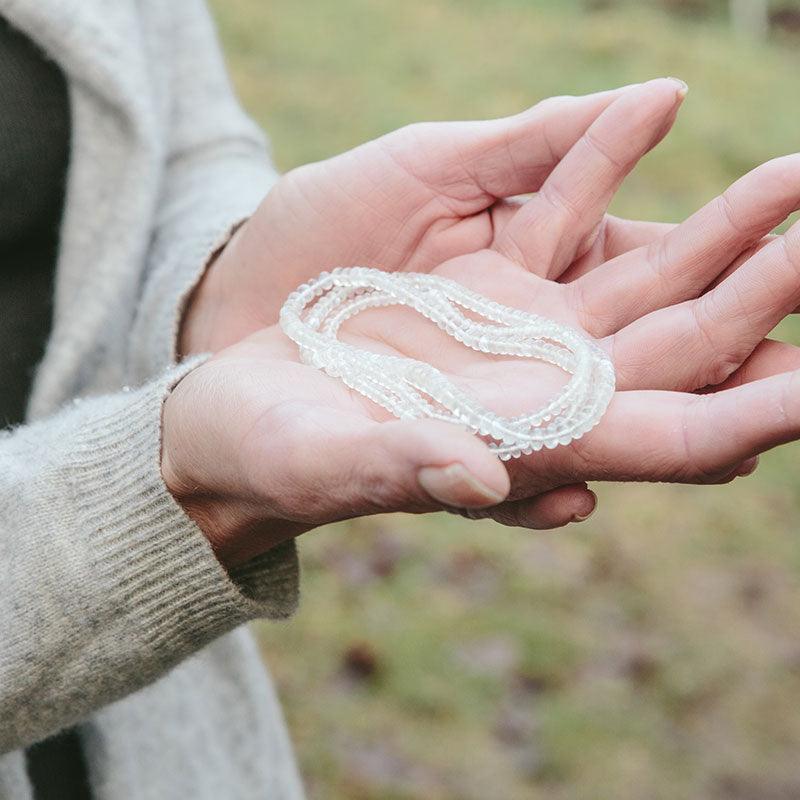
(430,192)
(311,451)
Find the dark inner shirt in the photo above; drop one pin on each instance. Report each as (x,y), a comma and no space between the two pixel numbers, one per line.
(34,155)
(34,152)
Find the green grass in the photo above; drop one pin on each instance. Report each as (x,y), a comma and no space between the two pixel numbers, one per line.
(653,652)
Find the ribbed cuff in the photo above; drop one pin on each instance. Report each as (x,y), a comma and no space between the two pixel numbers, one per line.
(156,565)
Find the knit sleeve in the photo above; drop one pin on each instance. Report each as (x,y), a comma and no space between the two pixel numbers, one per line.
(106,582)
(217,172)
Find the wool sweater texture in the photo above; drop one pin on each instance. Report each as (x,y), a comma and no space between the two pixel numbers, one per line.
(115,616)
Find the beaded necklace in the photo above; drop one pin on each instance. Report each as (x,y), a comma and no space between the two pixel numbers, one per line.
(409,389)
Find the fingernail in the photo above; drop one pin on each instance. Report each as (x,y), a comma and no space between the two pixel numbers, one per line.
(683,88)
(455,486)
(583,517)
(747,467)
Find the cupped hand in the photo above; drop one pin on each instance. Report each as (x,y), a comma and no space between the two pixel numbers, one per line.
(259,447)
(430,192)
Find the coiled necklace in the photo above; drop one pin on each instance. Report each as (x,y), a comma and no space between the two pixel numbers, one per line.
(409,388)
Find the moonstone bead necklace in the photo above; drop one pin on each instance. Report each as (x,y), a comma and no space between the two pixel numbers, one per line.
(408,388)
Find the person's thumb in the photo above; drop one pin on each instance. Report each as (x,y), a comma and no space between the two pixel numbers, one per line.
(416,465)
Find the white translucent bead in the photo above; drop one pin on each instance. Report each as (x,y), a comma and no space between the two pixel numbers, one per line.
(313,314)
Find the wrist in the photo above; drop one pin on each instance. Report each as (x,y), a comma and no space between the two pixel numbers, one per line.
(182,472)
(235,524)
(201,323)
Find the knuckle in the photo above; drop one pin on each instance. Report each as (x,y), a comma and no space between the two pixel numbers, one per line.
(508,514)
(580,301)
(632,367)
(511,244)
(598,318)
(723,354)
(381,492)
(604,150)
(401,144)
(729,477)
(655,258)
(721,367)
(582,464)
(696,421)
(703,321)
(790,403)
(704,331)
(559,201)
(790,242)
(703,464)
(726,207)
(554,103)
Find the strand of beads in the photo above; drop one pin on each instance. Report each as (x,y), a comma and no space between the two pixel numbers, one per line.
(313,314)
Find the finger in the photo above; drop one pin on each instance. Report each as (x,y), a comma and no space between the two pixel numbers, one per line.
(741,259)
(689,258)
(514,155)
(617,236)
(553,509)
(417,465)
(474,163)
(624,235)
(560,222)
(702,342)
(769,358)
(673,436)
(747,467)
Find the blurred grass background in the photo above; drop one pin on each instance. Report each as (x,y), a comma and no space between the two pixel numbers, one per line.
(652,652)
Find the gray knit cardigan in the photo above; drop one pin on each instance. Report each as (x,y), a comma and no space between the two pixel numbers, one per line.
(114,613)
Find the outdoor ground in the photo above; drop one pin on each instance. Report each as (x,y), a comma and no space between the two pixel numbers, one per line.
(652,652)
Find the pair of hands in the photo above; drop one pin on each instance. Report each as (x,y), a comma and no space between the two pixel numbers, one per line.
(259,447)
